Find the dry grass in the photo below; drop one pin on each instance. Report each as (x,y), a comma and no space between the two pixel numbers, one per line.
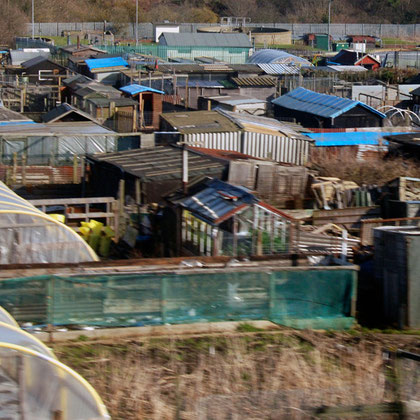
(375,171)
(220,378)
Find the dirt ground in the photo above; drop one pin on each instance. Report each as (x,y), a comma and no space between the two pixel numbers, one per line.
(249,374)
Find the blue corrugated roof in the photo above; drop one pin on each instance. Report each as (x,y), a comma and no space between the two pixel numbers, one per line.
(327,106)
(100,63)
(213,202)
(134,89)
(349,138)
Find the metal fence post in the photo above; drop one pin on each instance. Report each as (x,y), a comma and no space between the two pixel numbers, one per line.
(50,305)
(163,297)
(271,295)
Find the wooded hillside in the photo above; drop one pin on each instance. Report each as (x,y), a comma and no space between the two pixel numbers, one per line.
(305,11)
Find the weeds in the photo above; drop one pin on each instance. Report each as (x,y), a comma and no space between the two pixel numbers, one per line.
(165,379)
(375,171)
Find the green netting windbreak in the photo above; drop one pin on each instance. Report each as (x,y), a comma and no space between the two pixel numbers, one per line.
(299,298)
(234,55)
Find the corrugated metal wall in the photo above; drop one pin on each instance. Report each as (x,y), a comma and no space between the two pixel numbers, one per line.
(277,148)
(218,141)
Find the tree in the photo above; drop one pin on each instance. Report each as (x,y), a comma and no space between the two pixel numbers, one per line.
(12,22)
(240,8)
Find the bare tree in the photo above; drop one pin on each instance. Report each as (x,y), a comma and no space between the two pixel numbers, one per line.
(12,22)
(241,8)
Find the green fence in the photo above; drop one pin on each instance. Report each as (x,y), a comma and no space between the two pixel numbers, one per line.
(299,298)
(228,55)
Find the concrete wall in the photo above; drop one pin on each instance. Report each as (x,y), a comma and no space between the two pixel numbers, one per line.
(298,29)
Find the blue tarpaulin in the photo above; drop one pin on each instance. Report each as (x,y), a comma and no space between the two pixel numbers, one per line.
(134,89)
(350,138)
(99,63)
(23,122)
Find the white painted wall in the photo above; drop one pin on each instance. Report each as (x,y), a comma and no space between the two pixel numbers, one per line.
(160,29)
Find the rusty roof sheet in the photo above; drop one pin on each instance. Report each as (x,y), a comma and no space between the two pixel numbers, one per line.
(260,81)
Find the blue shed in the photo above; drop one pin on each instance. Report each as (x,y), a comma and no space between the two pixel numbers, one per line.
(318,110)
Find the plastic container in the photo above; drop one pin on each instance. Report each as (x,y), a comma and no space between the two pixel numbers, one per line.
(104,246)
(59,217)
(93,241)
(96,227)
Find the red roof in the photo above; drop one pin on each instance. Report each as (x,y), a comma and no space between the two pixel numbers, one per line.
(223,154)
(362,38)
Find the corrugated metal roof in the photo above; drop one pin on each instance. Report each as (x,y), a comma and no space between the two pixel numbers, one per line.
(235,100)
(160,163)
(19,57)
(134,89)
(277,56)
(63,128)
(217,200)
(34,61)
(348,68)
(350,138)
(200,83)
(279,68)
(105,102)
(99,63)
(255,81)
(205,40)
(327,106)
(256,123)
(7,115)
(11,123)
(65,109)
(194,68)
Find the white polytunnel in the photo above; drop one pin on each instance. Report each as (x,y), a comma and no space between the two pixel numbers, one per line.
(28,236)
(14,335)
(6,318)
(41,387)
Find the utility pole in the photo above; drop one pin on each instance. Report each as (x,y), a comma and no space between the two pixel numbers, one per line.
(137,22)
(33,20)
(329,23)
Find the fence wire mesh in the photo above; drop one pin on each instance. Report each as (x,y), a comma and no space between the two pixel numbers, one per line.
(319,298)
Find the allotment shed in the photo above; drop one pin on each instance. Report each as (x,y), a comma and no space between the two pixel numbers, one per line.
(318,110)
(397,267)
(150,104)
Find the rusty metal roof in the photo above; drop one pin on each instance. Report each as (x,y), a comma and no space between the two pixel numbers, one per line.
(263,81)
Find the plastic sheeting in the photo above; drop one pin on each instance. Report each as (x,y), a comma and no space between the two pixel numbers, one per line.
(6,318)
(28,235)
(44,149)
(14,335)
(40,387)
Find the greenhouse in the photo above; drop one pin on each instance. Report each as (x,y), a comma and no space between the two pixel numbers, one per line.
(35,385)
(27,235)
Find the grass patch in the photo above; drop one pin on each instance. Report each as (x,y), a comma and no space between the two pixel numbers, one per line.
(61,41)
(398,41)
(245,327)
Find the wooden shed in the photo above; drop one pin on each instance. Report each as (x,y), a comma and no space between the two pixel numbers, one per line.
(150,104)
